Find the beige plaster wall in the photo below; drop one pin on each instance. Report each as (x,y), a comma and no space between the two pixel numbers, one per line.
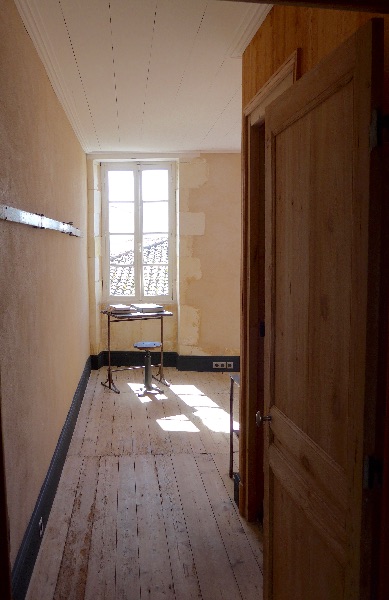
(209,255)
(44,321)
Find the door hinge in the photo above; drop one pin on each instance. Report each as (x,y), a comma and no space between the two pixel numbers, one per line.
(372,472)
(378,123)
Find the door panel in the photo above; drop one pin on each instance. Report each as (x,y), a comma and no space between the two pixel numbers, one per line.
(315,239)
(321,310)
(312,569)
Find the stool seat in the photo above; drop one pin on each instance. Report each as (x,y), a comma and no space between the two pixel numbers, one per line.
(147,345)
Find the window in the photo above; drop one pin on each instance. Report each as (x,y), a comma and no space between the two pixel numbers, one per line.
(139,220)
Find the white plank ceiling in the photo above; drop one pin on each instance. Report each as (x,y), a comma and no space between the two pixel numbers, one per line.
(146,76)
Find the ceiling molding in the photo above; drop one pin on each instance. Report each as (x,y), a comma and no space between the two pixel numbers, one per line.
(37,32)
(373,6)
(140,156)
(248,28)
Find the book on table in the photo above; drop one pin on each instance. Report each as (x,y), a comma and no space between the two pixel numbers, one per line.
(148,308)
(118,309)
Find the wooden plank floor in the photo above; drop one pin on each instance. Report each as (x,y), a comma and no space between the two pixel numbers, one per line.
(144,507)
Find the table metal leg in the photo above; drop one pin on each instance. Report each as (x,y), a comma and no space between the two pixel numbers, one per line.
(160,376)
(108,383)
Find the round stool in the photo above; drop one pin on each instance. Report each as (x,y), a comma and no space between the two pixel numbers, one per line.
(147,346)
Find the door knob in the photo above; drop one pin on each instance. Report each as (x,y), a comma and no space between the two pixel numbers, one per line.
(259,419)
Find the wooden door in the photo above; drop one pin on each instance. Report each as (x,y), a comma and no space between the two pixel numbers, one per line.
(322,255)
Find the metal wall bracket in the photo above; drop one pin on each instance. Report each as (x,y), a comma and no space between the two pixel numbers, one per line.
(8,213)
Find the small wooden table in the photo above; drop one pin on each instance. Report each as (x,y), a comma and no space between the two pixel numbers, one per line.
(132,316)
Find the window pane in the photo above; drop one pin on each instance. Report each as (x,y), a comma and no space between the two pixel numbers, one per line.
(121,217)
(156,280)
(122,281)
(121,186)
(121,249)
(155,249)
(155,217)
(155,185)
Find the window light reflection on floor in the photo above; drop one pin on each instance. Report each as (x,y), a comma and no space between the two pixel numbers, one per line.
(177,423)
(194,401)
(186,390)
(216,419)
(213,417)
(137,389)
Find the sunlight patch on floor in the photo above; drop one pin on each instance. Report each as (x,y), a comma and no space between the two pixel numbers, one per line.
(138,388)
(212,416)
(204,408)
(216,419)
(198,400)
(186,390)
(177,423)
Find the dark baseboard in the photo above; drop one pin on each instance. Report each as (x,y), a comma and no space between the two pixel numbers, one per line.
(170,359)
(28,551)
(131,358)
(97,361)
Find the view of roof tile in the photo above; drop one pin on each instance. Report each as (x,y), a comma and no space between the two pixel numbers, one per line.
(155,270)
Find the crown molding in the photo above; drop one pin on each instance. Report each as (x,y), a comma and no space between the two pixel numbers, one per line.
(249,26)
(38,34)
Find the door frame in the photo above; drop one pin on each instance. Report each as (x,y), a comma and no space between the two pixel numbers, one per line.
(251,485)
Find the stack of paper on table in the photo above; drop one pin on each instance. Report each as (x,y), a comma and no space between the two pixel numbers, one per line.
(120,308)
(150,308)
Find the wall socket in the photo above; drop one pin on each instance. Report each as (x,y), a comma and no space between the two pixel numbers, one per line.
(221,364)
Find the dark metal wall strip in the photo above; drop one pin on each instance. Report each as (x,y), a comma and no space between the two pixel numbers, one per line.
(8,213)
(28,551)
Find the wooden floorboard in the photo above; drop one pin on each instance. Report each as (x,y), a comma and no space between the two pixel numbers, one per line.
(127,554)
(214,570)
(186,583)
(244,566)
(75,560)
(145,507)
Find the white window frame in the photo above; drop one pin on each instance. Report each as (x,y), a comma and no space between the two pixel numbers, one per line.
(137,167)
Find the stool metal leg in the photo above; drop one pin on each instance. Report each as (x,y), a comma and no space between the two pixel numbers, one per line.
(148,374)
(149,387)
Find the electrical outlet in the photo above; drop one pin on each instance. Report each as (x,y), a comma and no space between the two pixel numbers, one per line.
(41,528)
(230,365)
(219,365)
